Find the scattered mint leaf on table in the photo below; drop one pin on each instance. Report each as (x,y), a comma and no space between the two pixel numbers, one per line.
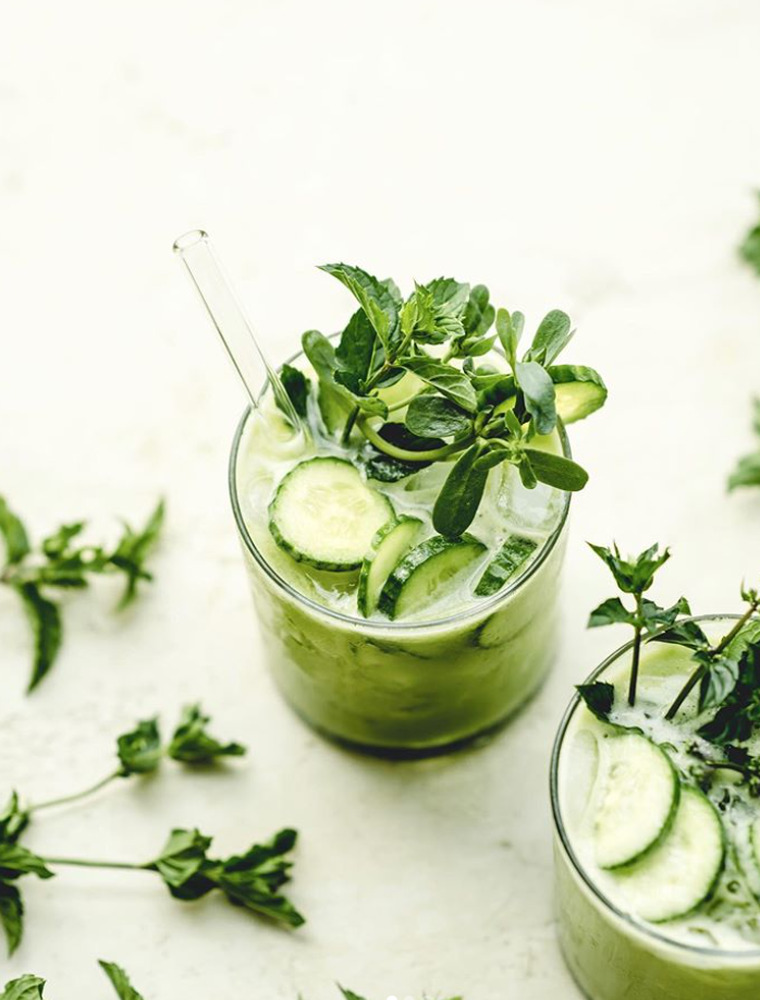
(61,563)
(750,246)
(120,981)
(192,744)
(25,988)
(747,471)
(139,751)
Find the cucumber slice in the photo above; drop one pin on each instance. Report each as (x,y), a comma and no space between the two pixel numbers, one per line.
(636,797)
(683,870)
(578,391)
(324,514)
(513,554)
(425,573)
(388,546)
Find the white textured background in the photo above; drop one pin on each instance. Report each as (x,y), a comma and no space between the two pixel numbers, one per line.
(593,155)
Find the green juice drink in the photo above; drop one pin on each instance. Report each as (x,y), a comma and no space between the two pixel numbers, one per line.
(405,548)
(657,821)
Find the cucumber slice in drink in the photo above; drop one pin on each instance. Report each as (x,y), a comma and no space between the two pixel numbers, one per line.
(388,546)
(578,390)
(513,554)
(426,573)
(324,514)
(682,871)
(636,798)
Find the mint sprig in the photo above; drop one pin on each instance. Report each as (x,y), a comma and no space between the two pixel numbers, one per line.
(253,877)
(464,412)
(749,249)
(63,562)
(634,575)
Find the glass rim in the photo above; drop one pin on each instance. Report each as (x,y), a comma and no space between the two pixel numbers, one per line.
(392,627)
(641,927)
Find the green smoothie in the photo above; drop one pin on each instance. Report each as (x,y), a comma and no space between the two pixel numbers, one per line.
(404,546)
(658,827)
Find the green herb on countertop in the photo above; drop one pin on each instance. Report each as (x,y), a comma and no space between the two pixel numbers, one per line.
(747,471)
(750,246)
(62,562)
(634,575)
(461,409)
(251,880)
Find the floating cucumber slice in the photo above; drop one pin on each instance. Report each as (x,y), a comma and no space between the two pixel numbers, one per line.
(324,514)
(388,546)
(425,574)
(513,554)
(682,871)
(578,391)
(636,793)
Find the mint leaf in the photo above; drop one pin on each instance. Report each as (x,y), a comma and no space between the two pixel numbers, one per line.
(449,381)
(14,535)
(11,915)
(47,628)
(750,247)
(25,988)
(139,750)
(539,394)
(636,573)
(436,416)
(739,715)
(132,551)
(13,821)
(611,612)
(555,470)
(356,351)
(296,385)
(479,314)
(120,981)
(192,744)
(599,698)
(375,297)
(349,994)
(458,501)
(182,859)
(509,329)
(16,861)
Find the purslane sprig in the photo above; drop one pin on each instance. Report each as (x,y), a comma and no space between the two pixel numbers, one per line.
(634,575)
(252,880)
(747,471)
(62,562)
(459,410)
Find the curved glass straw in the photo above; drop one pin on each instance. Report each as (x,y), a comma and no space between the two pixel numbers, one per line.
(197,254)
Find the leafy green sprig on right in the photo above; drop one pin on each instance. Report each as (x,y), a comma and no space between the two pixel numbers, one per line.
(461,411)
(634,575)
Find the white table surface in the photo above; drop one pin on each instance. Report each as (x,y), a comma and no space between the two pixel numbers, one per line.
(594,156)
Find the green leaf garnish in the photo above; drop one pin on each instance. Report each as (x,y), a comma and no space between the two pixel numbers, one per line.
(25,988)
(437,334)
(750,247)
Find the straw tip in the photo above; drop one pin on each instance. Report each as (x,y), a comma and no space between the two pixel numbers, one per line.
(188,240)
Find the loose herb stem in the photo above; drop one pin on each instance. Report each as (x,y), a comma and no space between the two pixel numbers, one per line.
(84,863)
(346,436)
(699,673)
(76,796)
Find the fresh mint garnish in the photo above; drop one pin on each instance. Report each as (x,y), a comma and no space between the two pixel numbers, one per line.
(464,412)
(62,562)
(634,575)
(599,698)
(120,981)
(747,471)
